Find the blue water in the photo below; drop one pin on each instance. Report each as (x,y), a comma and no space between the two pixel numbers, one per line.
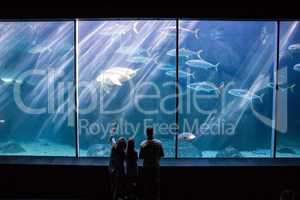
(127,79)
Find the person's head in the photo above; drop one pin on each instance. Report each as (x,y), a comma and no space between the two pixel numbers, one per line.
(130,145)
(121,144)
(149,133)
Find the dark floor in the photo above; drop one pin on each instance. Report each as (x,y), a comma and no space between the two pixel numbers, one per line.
(177,182)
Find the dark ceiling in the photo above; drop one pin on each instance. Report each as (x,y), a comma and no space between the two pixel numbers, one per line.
(149,9)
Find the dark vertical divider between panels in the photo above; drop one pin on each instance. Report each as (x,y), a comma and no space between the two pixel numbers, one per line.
(76,87)
(177,89)
(274,138)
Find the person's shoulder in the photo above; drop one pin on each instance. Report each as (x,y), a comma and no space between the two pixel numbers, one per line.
(144,143)
(156,141)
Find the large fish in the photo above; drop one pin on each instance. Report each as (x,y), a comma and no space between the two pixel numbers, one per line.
(119,29)
(183,52)
(141,59)
(206,87)
(181,74)
(294,48)
(172,31)
(246,94)
(165,67)
(115,76)
(201,63)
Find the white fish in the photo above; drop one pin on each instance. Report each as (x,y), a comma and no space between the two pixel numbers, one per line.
(172,31)
(206,87)
(201,63)
(294,48)
(264,35)
(7,80)
(297,67)
(119,29)
(140,59)
(181,74)
(115,76)
(134,27)
(186,136)
(183,52)
(246,94)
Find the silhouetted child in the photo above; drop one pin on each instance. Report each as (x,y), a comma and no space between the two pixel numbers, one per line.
(116,167)
(131,170)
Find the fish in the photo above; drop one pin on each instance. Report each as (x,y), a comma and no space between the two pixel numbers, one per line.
(135,27)
(294,48)
(201,63)
(119,29)
(181,74)
(186,136)
(165,67)
(297,67)
(140,59)
(216,34)
(246,94)
(2,121)
(132,50)
(282,87)
(115,76)
(172,31)
(264,35)
(41,48)
(206,87)
(183,52)
(7,80)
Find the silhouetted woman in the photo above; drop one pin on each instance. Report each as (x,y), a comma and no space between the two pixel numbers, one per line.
(131,169)
(116,167)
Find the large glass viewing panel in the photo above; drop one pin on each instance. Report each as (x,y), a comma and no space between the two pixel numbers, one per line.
(37,88)
(226,88)
(127,81)
(288,105)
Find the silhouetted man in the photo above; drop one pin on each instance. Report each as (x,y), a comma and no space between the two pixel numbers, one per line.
(151,152)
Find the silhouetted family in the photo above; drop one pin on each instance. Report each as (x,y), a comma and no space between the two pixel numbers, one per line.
(124,172)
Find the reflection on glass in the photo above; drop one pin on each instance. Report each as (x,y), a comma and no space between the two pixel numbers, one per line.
(288,138)
(126,80)
(36,88)
(226,91)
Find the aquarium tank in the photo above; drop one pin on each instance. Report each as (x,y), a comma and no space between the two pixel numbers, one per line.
(209,89)
(37,63)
